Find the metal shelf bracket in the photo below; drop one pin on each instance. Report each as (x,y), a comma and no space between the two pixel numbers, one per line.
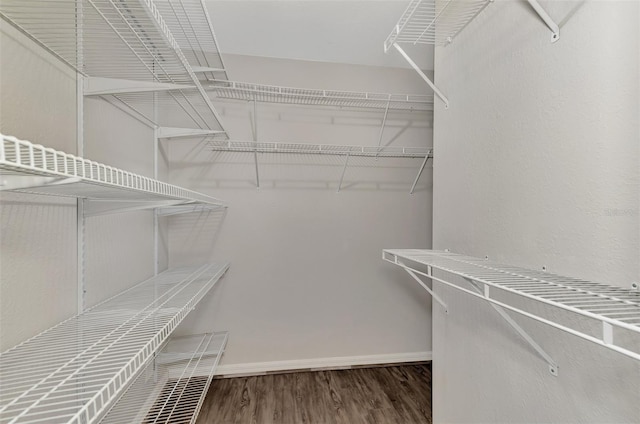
(171,132)
(422,75)
(96,86)
(555,29)
(484,290)
(424,163)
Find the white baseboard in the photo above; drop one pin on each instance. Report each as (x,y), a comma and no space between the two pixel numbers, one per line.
(343,362)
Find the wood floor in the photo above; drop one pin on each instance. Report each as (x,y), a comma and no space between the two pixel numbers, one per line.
(399,394)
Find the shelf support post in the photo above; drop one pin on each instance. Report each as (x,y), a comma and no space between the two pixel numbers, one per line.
(555,29)
(485,292)
(424,163)
(80,218)
(384,121)
(344,170)
(255,138)
(422,75)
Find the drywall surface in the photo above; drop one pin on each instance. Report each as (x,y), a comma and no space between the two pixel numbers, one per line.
(537,165)
(307,283)
(118,247)
(37,233)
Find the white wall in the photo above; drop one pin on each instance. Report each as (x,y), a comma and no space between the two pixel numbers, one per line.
(537,164)
(307,283)
(38,237)
(37,233)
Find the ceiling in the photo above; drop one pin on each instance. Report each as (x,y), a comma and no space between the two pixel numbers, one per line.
(337,31)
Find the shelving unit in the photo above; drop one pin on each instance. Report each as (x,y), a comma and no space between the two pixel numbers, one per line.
(73,372)
(28,167)
(614,310)
(172,389)
(191,25)
(128,46)
(305,96)
(320,149)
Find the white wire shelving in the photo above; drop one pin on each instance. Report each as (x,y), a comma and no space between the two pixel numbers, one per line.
(29,167)
(615,311)
(305,96)
(191,25)
(171,389)
(73,372)
(434,22)
(124,41)
(319,149)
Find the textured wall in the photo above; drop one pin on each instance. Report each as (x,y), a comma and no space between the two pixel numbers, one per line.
(37,233)
(306,280)
(537,164)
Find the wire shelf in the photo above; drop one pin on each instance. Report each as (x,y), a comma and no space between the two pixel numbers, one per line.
(434,22)
(171,389)
(190,24)
(29,167)
(73,372)
(614,307)
(124,39)
(304,96)
(319,149)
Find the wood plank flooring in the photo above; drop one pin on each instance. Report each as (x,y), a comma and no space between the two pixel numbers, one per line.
(396,394)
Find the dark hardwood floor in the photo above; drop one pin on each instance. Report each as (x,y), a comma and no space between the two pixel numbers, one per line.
(396,394)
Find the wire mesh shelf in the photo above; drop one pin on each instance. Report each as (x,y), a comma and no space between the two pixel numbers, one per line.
(190,24)
(615,309)
(171,389)
(304,96)
(29,167)
(73,372)
(124,39)
(434,22)
(319,149)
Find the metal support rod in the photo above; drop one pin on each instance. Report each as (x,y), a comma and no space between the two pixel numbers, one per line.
(555,29)
(427,288)
(422,75)
(344,169)
(415,182)
(553,366)
(80,219)
(384,120)
(156,223)
(255,138)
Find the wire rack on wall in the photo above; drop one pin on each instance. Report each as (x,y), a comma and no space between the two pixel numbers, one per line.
(320,149)
(305,96)
(434,22)
(171,389)
(73,372)
(124,40)
(190,24)
(29,167)
(613,311)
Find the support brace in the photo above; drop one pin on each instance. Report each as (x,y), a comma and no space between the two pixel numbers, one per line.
(422,75)
(484,290)
(555,29)
(384,121)
(173,132)
(427,288)
(96,86)
(255,138)
(424,163)
(344,170)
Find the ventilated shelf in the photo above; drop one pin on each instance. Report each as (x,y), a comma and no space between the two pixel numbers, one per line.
(29,167)
(73,372)
(434,22)
(320,149)
(125,41)
(191,26)
(304,96)
(615,310)
(171,389)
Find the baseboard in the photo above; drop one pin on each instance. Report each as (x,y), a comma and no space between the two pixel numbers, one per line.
(316,364)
